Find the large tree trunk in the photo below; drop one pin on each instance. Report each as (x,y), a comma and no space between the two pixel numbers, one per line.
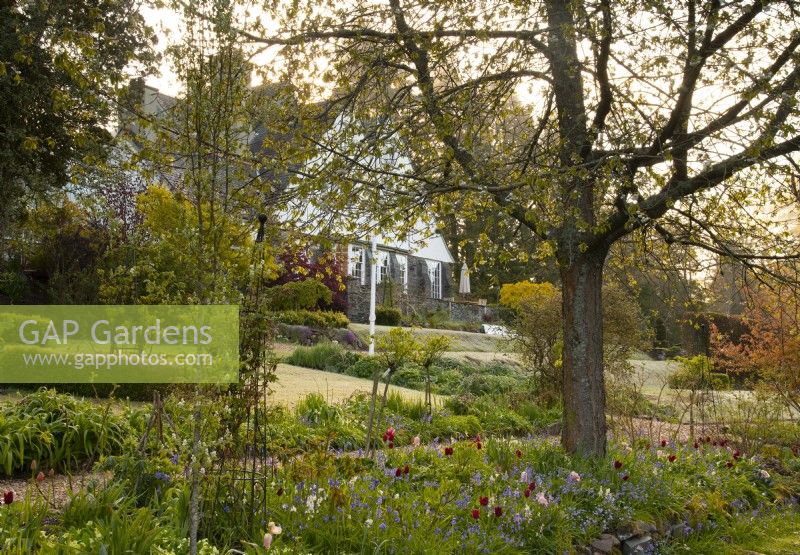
(584,428)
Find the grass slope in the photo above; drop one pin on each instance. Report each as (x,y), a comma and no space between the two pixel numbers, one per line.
(460,340)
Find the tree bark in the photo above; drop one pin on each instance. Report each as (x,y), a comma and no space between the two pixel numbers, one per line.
(584,429)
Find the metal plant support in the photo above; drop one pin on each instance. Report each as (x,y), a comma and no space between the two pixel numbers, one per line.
(243,468)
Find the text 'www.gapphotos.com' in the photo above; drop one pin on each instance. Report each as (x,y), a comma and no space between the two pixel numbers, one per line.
(111,360)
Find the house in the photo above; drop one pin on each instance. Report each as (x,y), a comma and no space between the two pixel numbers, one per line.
(416,274)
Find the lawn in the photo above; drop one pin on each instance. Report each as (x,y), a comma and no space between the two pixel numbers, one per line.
(295,382)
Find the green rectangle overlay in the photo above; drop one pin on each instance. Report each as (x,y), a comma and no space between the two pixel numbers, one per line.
(119,344)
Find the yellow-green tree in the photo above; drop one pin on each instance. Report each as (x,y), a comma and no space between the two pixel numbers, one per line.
(583,121)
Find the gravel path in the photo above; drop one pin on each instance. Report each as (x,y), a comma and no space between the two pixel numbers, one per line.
(56,489)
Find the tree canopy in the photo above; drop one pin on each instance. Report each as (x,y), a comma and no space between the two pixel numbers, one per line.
(582,121)
(62,68)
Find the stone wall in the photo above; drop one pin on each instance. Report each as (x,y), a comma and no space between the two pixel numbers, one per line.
(416,300)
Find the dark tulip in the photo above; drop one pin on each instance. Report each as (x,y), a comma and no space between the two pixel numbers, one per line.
(498,511)
(483,501)
(8,497)
(398,472)
(476,514)
(617,464)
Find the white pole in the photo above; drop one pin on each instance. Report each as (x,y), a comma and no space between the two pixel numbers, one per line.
(372,293)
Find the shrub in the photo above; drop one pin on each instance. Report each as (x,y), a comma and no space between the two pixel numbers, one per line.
(298,334)
(324,356)
(455,426)
(409,376)
(298,265)
(514,295)
(487,384)
(347,337)
(314,319)
(387,315)
(298,295)
(697,373)
(499,419)
(365,368)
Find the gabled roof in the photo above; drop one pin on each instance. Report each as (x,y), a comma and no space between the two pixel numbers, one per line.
(422,243)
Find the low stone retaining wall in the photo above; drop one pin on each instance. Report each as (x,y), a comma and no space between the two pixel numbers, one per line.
(459,311)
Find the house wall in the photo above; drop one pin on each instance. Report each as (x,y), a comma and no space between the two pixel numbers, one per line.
(417,300)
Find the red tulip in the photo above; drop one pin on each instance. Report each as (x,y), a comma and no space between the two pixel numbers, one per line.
(398,472)
(483,501)
(672,458)
(448,451)
(8,497)
(663,443)
(617,464)
(498,511)
(391,445)
(478,445)
(476,514)
(40,476)
(532,486)
(527,493)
